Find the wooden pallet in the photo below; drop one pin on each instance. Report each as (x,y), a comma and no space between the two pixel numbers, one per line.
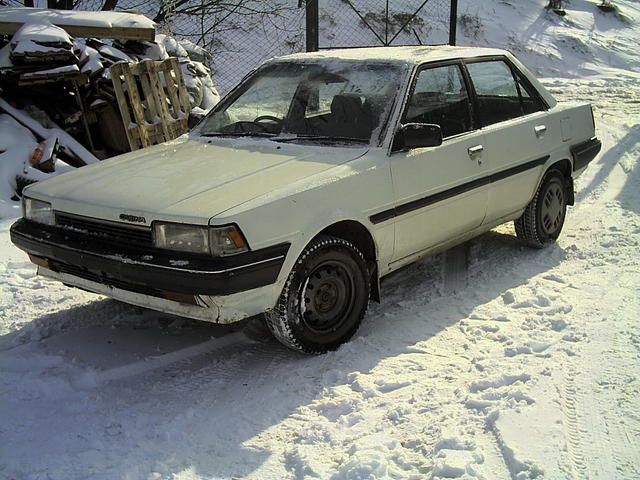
(153,101)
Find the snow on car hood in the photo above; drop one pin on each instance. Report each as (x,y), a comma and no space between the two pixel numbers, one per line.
(187,178)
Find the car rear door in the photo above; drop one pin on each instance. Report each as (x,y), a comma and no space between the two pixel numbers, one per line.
(517,132)
(439,191)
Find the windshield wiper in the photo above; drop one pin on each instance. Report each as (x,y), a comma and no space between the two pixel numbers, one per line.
(238,134)
(322,138)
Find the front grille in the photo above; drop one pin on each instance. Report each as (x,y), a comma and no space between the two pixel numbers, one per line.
(103,279)
(110,232)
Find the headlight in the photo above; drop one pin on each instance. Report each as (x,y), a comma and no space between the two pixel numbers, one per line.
(38,211)
(217,241)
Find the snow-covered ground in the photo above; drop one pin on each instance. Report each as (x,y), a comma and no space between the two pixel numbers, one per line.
(526,365)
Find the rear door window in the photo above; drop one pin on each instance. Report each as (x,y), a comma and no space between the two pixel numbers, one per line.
(501,96)
(497,92)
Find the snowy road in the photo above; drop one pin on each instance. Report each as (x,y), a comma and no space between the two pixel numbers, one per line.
(525,366)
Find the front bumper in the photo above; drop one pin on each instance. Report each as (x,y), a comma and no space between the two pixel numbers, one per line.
(151,272)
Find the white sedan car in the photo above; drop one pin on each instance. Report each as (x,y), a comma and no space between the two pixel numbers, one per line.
(319,174)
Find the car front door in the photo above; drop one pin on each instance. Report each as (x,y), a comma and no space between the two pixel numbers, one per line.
(518,134)
(439,191)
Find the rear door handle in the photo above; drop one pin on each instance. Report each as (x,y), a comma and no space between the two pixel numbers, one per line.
(475,151)
(540,130)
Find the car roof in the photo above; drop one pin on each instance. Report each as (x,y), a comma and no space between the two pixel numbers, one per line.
(404,54)
(415,55)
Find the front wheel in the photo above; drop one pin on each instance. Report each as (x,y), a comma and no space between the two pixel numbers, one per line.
(324,299)
(543,219)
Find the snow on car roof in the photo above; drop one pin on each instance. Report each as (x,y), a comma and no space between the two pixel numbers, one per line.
(404,54)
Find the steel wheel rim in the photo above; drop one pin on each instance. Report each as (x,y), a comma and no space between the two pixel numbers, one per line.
(552,211)
(327,297)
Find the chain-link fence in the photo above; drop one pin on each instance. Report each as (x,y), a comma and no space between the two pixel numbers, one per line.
(241,34)
(351,23)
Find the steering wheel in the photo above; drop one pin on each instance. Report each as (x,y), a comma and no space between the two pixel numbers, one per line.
(267,117)
(247,126)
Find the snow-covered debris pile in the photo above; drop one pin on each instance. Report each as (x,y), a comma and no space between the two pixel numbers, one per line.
(192,58)
(80,23)
(59,88)
(23,160)
(17,144)
(44,51)
(37,40)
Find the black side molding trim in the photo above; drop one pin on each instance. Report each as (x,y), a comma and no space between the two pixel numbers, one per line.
(509,172)
(454,191)
(585,152)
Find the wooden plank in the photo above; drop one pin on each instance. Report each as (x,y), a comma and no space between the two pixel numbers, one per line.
(148,75)
(182,89)
(121,33)
(116,72)
(172,92)
(148,98)
(34,78)
(136,104)
(160,97)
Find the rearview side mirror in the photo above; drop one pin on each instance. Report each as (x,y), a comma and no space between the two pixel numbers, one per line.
(417,135)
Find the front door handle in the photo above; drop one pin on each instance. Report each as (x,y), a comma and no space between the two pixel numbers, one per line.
(540,130)
(475,151)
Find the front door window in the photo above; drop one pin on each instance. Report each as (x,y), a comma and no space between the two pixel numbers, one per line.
(440,97)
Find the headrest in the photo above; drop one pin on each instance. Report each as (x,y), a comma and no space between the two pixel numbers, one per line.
(345,104)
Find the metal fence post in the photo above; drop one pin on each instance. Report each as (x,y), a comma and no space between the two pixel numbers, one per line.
(60,4)
(453,22)
(313,40)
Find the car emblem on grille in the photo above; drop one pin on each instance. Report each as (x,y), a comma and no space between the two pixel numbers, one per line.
(132,218)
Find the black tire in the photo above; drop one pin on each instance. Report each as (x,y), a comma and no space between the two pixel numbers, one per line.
(542,220)
(324,299)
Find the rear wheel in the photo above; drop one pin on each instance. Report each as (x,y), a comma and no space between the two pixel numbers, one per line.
(324,298)
(543,219)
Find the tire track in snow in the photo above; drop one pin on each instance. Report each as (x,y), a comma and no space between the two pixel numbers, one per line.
(594,394)
(169,362)
(225,363)
(624,457)
(573,432)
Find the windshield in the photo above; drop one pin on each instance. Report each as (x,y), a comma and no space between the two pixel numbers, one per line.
(339,101)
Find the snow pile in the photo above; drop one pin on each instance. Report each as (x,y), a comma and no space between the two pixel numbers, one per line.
(585,42)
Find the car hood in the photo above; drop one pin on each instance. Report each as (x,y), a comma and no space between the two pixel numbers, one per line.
(188,178)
